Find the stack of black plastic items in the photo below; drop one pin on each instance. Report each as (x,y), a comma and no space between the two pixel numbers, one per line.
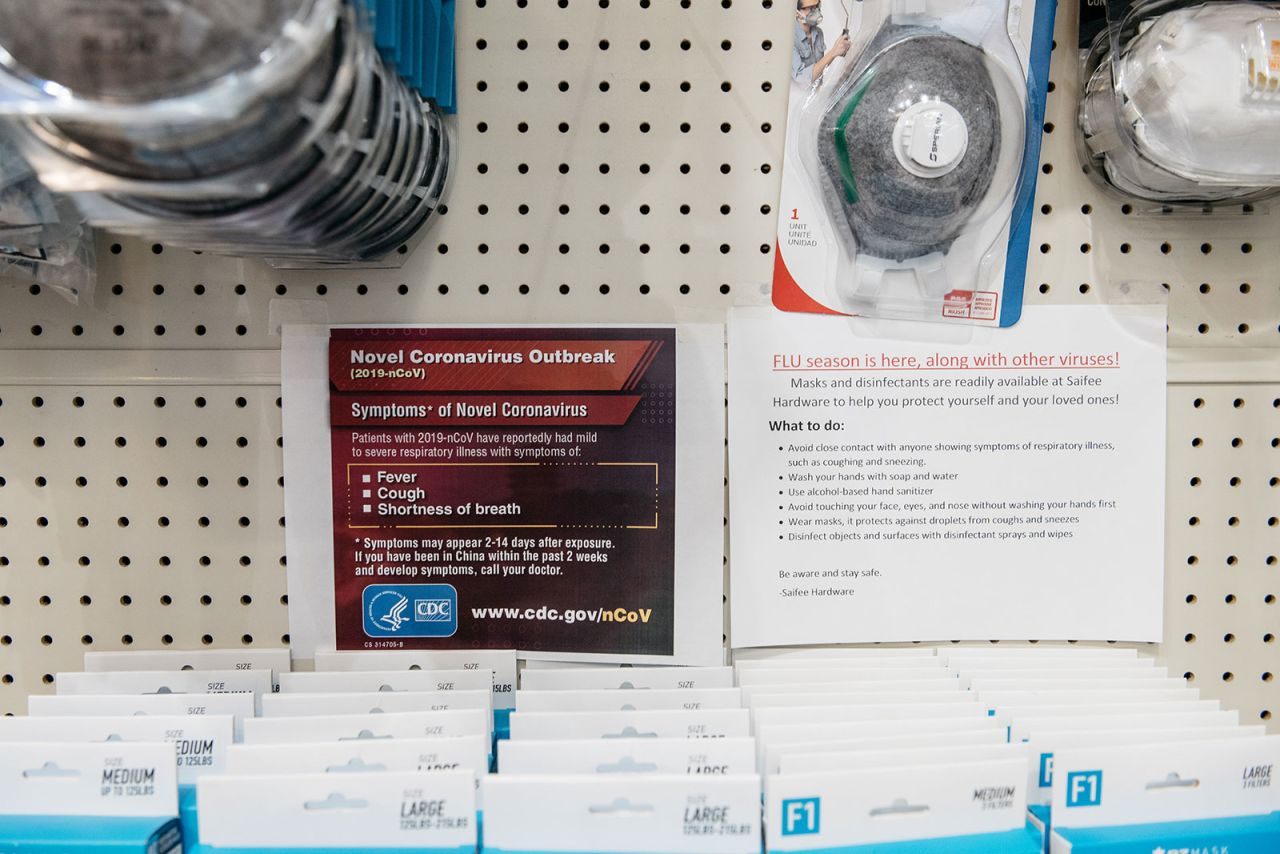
(249,127)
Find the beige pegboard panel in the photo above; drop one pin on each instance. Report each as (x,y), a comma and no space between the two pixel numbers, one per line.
(619,162)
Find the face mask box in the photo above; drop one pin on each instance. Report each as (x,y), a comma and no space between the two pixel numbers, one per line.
(816,656)
(237,706)
(200,743)
(379,702)
(861,760)
(994,700)
(1166,716)
(463,752)
(867,662)
(1200,796)
(366,681)
(704,757)
(835,719)
(429,813)
(764,655)
(622,814)
(626,678)
(773,739)
(89,798)
(274,660)
(1044,743)
(850,693)
(501,661)
(778,756)
(1084,654)
(839,676)
(966,807)
(255,683)
(912,153)
(691,699)
(973,679)
(678,723)
(446,724)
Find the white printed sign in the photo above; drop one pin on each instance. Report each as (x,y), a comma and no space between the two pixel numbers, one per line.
(944,483)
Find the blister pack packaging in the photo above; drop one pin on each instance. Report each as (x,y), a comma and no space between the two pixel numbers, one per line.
(909,169)
(1181,101)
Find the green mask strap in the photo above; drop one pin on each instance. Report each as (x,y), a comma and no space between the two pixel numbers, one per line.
(842,146)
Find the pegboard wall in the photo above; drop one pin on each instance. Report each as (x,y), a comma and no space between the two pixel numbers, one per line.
(619,161)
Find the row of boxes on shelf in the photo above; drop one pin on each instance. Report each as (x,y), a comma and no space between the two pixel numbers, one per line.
(950,749)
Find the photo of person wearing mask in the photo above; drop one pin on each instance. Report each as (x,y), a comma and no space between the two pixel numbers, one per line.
(810,57)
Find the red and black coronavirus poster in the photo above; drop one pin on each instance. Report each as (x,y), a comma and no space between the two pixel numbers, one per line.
(504,488)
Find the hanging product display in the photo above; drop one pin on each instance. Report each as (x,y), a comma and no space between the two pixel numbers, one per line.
(269,129)
(1182,101)
(42,239)
(913,161)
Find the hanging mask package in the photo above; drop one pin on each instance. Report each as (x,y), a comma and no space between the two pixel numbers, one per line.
(909,170)
(1182,101)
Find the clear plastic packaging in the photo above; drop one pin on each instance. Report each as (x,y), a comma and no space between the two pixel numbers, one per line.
(42,238)
(919,157)
(154,63)
(1182,101)
(345,166)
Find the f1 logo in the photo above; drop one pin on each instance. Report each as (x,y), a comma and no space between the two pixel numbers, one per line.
(1084,788)
(1046,770)
(801,815)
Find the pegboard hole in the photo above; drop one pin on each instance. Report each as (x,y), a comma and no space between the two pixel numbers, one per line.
(1245,287)
(1228,676)
(1191,599)
(207,640)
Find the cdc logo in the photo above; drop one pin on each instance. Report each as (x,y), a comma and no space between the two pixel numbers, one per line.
(410,610)
(432,610)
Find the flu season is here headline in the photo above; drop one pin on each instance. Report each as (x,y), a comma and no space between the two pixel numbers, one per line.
(943,361)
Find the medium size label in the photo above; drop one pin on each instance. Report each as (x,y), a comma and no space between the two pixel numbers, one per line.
(511,487)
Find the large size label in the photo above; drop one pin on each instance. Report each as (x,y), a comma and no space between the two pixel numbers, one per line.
(510,487)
